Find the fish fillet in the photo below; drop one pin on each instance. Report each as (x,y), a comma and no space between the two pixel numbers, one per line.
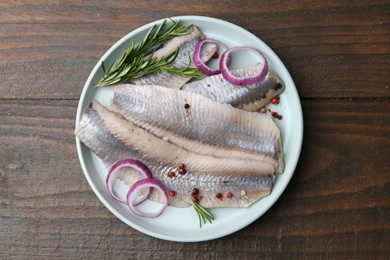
(113,138)
(207,149)
(198,118)
(251,97)
(174,43)
(186,45)
(142,140)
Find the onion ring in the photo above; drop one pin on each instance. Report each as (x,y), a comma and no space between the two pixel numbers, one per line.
(143,183)
(224,67)
(137,165)
(198,62)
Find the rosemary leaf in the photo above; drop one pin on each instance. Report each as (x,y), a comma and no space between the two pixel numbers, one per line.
(184,72)
(202,213)
(204,210)
(138,60)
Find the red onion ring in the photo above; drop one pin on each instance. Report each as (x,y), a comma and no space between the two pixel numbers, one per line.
(137,165)
(143,183)
(198,61)
(224,67)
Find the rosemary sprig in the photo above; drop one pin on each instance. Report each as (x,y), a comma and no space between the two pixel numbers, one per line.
(138,60)
(203,214)
(184,72)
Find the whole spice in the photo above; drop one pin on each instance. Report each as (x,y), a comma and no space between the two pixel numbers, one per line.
(172,193)
(195,198)
(182,169)
(219,196)
(171,174)
(275,100)
(229,195)
(276,115)
(194,195)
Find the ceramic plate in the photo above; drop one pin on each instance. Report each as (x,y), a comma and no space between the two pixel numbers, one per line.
(183,224)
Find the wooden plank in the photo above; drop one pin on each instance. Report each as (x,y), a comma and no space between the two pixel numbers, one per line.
(332,49)
(288,14)
(334,206)
(50,61)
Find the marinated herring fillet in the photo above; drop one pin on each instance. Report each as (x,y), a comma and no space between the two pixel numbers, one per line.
(207,149)
(198,118)
(154,147)
(186,45)
(250,97)
(113,138)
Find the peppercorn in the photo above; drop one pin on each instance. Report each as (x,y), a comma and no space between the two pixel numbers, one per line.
(181,171)
(219,196)
(276,115)
(172,193)
(275,101)
(171,174)
(186,106)
(195,191)
(229,195)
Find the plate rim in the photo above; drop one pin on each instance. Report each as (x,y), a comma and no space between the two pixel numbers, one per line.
(298,123)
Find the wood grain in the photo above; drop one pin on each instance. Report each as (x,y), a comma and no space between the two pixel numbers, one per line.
(48,209)
(53,55)
(337,203)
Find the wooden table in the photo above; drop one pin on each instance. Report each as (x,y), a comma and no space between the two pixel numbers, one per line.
(337,204)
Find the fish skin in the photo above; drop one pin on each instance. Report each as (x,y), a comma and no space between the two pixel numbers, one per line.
(250,98)
(186,45)
(99,130)
(206,120)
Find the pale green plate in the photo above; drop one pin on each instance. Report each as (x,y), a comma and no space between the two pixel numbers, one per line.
(182,224)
